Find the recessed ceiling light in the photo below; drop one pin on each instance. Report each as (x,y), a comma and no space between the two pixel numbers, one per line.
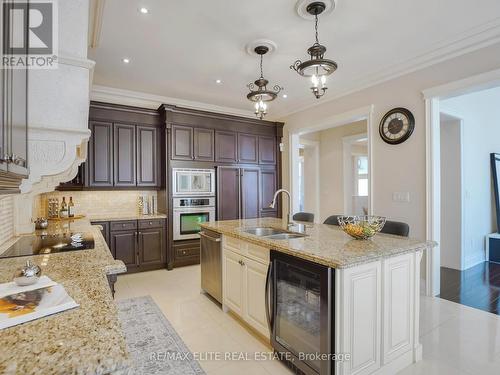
(126,60)
(144,10)
(285,96)
(218,81)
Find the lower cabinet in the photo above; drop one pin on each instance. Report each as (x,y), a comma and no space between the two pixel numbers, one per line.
(185,253)
(244,283)
(124,247)
(140,244)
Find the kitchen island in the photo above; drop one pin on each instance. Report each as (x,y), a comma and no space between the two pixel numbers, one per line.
(85,340)
(322,292)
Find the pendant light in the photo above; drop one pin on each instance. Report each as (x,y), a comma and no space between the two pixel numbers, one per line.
(259,94)
(317,67)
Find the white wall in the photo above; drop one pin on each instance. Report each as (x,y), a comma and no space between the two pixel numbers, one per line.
(481,135)
(451,194)
(399,168)
(331,169)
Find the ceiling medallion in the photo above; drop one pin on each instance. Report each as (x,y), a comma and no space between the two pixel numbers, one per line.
(318,68)
(259,94)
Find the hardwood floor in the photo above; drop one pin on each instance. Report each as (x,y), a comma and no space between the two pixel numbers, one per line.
(477,287)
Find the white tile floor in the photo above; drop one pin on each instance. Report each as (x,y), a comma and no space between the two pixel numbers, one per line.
(456,339)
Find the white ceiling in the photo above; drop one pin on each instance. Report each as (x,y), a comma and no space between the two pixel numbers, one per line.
(181,47)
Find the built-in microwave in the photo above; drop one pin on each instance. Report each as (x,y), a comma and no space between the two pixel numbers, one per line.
(193,182)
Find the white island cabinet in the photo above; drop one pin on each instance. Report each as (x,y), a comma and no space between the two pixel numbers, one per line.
(374,291)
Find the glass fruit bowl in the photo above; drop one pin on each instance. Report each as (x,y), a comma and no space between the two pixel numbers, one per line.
(361,227)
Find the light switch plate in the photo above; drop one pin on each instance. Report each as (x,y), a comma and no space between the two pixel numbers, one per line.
(401,196)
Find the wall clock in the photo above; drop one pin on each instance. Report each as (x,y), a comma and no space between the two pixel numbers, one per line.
(397,126)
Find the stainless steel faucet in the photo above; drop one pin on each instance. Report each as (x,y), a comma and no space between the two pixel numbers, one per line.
(273,204)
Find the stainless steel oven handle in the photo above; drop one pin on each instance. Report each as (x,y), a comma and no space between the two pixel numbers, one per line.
(269,314)
(210,238)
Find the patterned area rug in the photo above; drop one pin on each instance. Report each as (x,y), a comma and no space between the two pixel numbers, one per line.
(154,346)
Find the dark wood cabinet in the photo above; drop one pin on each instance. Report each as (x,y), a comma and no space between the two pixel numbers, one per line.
(268,186)
(250,193)
(141,244)
(125,149)
(186,253)
(248,146)
(228,193)
(100,155)
(152,246)
(203,144)
(267,150)
(182,142)
(226,147)
(124,155)
(147,156)
(238,193)
(125,248)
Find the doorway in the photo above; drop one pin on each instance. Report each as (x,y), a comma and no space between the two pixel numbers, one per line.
(327,182)
(462,131)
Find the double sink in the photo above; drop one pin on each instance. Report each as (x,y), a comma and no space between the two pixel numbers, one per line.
(273,233)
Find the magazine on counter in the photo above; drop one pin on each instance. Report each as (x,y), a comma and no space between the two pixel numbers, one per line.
(23,304)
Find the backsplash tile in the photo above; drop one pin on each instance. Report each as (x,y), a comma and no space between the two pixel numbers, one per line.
(6,218)
(97,203)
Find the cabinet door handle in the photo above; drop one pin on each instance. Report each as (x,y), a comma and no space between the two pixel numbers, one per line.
(241,262)
(269,304)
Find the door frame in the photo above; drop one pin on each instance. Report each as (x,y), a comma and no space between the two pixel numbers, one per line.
(315,146)
(348,167)
(362,113)
(459,118)
(432,97)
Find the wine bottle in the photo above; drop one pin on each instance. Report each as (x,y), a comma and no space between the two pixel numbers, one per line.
(71,208)
(64,208)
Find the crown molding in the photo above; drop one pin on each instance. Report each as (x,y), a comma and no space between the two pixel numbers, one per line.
(140,99)
(469,41)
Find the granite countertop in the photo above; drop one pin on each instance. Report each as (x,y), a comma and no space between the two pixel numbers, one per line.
(324,244)
(85,340)
(117,217)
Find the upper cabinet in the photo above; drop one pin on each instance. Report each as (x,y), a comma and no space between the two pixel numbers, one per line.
(248,147)
(182,143)
(203,144)
(125,149)
(267,150)
(100,154)
(192,143)
(147,156)
(226,147)
(124,155)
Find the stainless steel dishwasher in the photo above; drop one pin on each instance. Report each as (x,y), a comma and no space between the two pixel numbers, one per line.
(211,263)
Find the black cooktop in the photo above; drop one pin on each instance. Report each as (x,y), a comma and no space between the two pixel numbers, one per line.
(49,244)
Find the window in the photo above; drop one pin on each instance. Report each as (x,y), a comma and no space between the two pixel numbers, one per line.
(360,175)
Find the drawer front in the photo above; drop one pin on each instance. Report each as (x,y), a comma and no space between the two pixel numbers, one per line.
(154,223)
(235,245)
(123,225)
(186,252)
(247,249)
(258,253)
